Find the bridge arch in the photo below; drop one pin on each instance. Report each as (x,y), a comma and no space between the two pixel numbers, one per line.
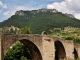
(75,54)
(60,53)
(34,50)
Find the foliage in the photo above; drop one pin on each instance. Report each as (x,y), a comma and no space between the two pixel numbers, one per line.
(23,58)
(24,30)
(41,21)
(68,38)
(67,33)
(18,52)
(9,30)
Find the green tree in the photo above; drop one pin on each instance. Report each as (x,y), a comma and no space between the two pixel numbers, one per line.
(18,52)
(24,30)
(23,58)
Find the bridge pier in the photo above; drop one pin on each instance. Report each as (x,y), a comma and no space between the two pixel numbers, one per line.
(48,48)
(69,48)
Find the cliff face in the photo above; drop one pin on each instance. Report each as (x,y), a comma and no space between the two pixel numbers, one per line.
(70,15)
(21,13)
(48,10)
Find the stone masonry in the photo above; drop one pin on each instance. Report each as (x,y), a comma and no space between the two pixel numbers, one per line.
(42,47)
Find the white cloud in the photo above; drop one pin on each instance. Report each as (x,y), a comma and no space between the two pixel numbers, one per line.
(3,5)
(12,10)
(67,6)
(77,15)
(6,13)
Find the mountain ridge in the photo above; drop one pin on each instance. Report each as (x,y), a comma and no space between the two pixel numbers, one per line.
(41,20)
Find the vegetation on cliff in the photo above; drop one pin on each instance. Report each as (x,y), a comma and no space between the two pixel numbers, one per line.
(40,21)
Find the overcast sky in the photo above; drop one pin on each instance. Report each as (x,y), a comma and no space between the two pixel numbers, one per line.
(9,7)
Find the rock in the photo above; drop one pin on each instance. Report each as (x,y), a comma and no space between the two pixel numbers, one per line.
(69,15)
(21,13)
(47,10)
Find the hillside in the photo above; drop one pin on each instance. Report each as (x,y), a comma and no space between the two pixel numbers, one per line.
(40,20)
(67,33)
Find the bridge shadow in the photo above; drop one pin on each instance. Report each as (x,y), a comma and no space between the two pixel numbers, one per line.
(75,54)
(60,53)
(35,52)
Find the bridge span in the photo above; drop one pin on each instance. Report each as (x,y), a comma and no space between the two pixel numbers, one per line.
(42,47)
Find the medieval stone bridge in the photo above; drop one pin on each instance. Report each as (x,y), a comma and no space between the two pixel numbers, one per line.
(42,47)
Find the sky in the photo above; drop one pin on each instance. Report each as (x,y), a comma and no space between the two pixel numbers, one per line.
(9,7)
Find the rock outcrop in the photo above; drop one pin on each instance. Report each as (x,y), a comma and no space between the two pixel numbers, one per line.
(21,13)
(69,15)
(48,10)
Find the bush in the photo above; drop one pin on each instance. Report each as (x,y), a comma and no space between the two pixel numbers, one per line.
(68,38)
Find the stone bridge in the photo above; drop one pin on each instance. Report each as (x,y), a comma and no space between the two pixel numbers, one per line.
(42,47)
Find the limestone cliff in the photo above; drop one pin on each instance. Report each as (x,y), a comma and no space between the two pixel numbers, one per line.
(21,13)
(69,15)
(48,10)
